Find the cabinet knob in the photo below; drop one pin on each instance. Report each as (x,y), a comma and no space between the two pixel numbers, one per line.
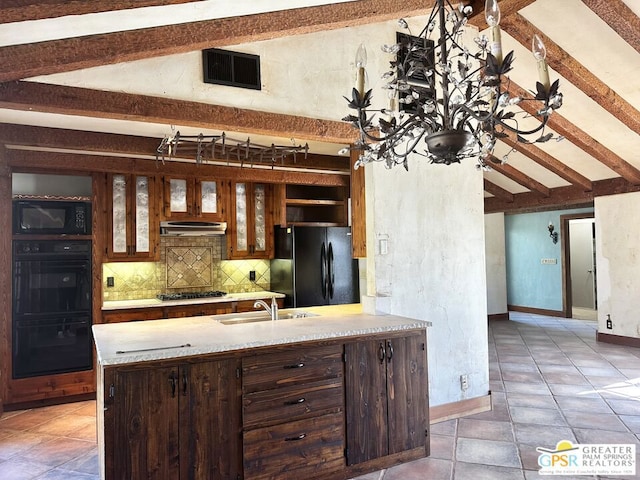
(296,438)
(295,402)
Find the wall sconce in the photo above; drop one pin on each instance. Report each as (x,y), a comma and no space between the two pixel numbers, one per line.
(552,233)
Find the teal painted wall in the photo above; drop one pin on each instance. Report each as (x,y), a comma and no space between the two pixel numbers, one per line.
(529,282)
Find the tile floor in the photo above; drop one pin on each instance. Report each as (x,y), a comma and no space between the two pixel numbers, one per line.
(550,381)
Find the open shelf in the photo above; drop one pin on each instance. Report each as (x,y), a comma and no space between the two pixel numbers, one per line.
(314,205)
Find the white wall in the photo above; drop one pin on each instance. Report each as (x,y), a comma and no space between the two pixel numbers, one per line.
(618,259)
(496,263)
(432,218)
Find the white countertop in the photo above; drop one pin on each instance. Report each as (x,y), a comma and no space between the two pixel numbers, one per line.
(154,302)
(132,342)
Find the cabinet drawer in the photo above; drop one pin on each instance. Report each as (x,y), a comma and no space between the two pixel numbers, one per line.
(291,367)
(292,403)
(295,450)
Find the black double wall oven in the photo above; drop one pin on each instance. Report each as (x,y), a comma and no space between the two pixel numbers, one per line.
(52,304)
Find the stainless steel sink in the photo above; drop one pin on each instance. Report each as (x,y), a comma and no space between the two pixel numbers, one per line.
(253,317)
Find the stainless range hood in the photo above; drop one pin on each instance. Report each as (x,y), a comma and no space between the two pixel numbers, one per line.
(192,229)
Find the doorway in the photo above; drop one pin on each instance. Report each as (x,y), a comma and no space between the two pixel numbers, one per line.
(579,272)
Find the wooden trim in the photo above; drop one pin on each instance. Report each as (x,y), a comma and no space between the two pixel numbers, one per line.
(25,160)
(48,98)
(582,139)
(518,177)
(51,387)
(25,10)
(536,311)
(619,17)
(497,191)
(5,278)
(39,138)
(358,209)
(498,316)
(618,339)
(462,408)
(545,160)
(574,72)
(64,55)
(45,402)
(563,197)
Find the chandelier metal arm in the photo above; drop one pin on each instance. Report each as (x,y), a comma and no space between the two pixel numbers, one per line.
(450,97)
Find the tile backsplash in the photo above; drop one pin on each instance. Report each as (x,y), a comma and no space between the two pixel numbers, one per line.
(187,264)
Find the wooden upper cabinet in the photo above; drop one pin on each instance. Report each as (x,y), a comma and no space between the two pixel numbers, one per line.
(132,220)
(193,198)
(250,231)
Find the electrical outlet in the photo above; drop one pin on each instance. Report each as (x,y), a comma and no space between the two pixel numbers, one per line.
(110,282)
(252,275)
(609,322)
(464,382)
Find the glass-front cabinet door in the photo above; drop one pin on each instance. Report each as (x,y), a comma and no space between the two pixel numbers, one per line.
(132,228)
(193,198)
(251,225)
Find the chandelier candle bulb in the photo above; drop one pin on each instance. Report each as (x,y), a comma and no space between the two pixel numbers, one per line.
(492,16)
(361,63)
(540,54)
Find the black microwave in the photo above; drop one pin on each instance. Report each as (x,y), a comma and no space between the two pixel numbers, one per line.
(51,217)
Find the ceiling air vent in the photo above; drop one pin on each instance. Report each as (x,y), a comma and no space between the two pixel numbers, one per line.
(422,60)
(235,69)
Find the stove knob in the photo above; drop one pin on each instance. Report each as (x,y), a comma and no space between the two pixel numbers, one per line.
(36,248)
(26,248)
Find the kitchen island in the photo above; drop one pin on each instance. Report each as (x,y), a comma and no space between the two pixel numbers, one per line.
(328,396)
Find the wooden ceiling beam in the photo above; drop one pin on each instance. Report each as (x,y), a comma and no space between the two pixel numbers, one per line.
(620,18)
(25,10)
(517,176)
(567,66)
(59,162)
(42,97)
(581,139)
(43,58)
(561,197)
(545,160)
(497,191)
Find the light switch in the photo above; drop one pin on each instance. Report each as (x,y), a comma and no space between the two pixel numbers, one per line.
(384,246)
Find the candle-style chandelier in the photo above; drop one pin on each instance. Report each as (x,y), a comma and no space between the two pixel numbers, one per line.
(456,100)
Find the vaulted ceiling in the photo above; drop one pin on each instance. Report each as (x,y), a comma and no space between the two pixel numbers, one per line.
(593,47)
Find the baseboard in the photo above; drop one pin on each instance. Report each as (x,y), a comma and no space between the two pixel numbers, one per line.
(537,311)
(618,339)
(498,316)
(469,406)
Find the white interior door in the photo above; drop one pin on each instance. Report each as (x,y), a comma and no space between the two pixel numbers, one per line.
(583,268)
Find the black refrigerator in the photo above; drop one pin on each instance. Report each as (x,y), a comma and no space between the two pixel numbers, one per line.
(314,266)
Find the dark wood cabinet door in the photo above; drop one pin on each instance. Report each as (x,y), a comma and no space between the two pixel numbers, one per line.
(366,401)
(211,421)
(144,430)
(407,393)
